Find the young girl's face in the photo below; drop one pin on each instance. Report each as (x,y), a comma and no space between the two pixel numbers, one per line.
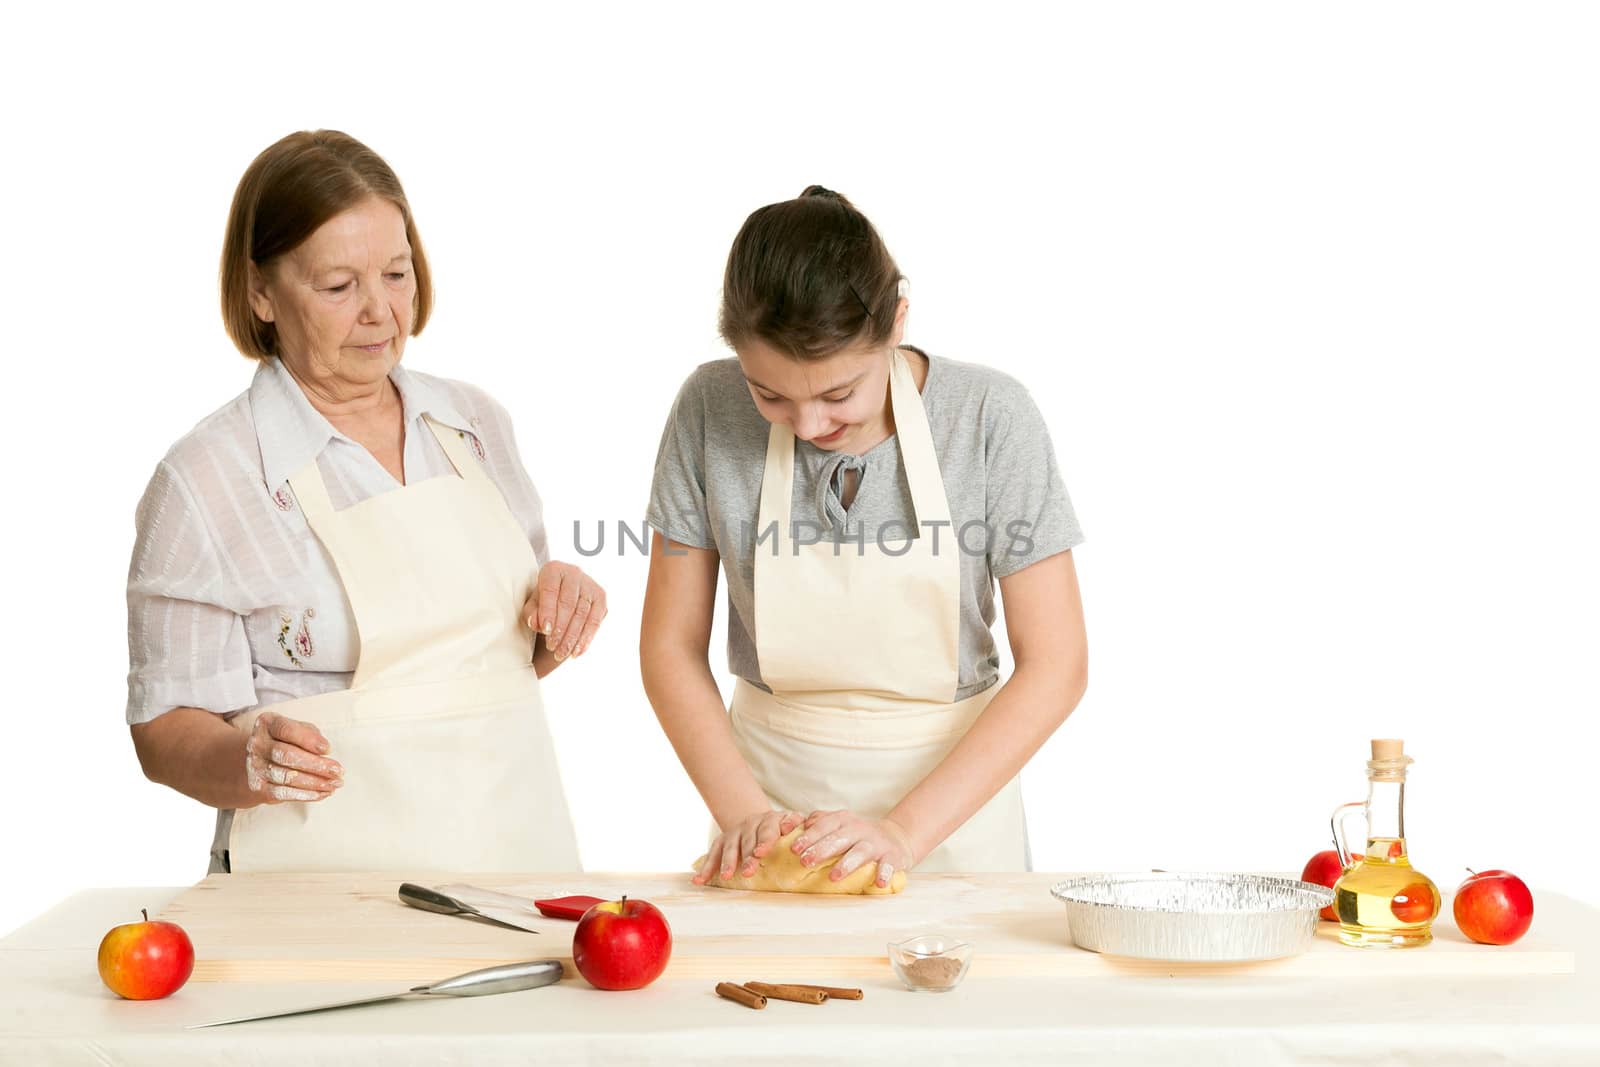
(836,403)
(831,402)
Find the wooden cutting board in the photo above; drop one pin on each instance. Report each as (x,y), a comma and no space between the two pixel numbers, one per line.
(352,927)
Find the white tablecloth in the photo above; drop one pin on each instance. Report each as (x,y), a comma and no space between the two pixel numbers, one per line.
(53,1009)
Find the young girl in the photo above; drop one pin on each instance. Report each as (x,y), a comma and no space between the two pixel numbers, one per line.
(862,497)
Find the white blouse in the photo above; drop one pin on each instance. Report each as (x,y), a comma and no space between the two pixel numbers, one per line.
(233,603)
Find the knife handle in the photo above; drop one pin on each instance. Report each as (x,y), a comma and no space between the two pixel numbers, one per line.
(420,896)
(505,978)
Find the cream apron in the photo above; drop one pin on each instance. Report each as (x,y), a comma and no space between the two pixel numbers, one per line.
(448,762)
(860,650)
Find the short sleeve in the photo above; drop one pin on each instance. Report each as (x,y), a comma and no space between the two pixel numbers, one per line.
(185,648)
(678,490)
(1026,502)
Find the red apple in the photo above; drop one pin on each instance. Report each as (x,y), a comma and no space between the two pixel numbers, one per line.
(1324,869)
(146,960)
(622,944)
(1493,907)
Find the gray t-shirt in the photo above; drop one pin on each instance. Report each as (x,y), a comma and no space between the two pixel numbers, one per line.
(1008,506)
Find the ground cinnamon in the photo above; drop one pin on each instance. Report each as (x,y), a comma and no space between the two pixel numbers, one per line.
(934,972)
(796,993)
(739,994)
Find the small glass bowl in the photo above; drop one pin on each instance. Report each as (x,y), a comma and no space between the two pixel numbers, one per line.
(930,963)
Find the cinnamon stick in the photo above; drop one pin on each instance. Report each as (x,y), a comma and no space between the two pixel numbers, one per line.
(834,992)
(797,994)
(739,994)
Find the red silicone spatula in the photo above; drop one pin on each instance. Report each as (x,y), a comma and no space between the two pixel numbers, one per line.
(567,907)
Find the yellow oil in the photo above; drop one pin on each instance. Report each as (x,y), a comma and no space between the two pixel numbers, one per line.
(1383,901)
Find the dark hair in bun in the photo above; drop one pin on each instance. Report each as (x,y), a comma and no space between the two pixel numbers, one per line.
(822,191)
(809,276)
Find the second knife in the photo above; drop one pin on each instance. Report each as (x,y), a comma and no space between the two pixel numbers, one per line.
(420,896)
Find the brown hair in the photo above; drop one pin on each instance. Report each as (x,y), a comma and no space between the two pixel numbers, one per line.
(288,191)
(809,276)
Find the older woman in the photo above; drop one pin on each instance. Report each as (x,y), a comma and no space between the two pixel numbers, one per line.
(339,605)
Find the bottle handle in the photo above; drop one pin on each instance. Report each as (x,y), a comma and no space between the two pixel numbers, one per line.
(1341,814)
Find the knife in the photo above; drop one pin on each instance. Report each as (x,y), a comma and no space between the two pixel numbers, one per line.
(506,978)
(570,907)
(419,896)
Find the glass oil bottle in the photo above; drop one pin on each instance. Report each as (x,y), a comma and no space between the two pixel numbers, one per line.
(1381,900)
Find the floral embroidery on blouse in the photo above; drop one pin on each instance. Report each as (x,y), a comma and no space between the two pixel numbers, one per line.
(281,498)
(301,641)
(477,445)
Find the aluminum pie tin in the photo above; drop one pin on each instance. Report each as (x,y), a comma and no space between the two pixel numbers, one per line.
(1192,917)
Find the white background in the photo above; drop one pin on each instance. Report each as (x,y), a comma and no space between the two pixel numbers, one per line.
(1307,295)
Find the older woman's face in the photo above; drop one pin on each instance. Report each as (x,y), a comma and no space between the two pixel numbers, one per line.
(342,301)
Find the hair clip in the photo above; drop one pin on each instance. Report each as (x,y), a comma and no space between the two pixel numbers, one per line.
(860,301)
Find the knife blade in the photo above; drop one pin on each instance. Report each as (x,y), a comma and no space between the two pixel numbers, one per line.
(567,907)
(419,896)
(505,978)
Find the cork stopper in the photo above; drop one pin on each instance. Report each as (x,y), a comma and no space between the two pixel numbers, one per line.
(1389,760)
(1387,748)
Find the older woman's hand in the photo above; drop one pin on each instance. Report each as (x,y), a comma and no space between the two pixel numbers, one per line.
(567,606)
(285,760)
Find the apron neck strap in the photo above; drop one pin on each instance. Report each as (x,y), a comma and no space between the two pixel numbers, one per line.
(917,454)
(312,492)
(777,481)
